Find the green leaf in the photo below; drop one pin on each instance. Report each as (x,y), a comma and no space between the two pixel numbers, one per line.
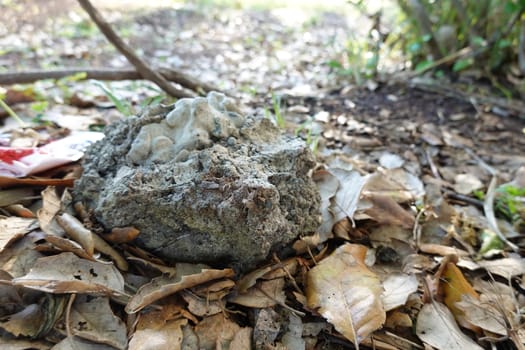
(479,41)
(334,64)
(490,241)
(423,65)
(121,105)
(461,64)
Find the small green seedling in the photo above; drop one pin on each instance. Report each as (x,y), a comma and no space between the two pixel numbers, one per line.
(122,106)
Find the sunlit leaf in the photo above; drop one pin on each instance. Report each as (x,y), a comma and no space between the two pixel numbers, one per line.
(347,293)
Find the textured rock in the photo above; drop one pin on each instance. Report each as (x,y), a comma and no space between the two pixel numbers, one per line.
(202,183)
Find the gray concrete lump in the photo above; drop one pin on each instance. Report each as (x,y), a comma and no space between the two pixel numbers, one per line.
(202,183)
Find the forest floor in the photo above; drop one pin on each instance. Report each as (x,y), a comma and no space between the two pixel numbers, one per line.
(276,62)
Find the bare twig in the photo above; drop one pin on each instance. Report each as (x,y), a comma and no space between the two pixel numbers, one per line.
(141,66)
(68,314)
(103,74)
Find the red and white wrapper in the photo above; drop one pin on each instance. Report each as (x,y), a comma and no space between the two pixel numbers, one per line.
(18,162)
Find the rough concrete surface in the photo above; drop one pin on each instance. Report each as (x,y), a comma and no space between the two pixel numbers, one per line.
(202,183)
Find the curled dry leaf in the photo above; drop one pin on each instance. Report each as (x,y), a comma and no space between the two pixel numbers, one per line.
(76,230)
(51,205)
(20,210)
(101,246)
(67,245)
(347,293)
(122,234)
(187,276)
(327,185)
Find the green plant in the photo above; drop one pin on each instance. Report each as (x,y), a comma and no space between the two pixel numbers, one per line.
(11,112)
(459,34)
(310,132)
(278,116)
(122,105)
(64,84)
(509,202)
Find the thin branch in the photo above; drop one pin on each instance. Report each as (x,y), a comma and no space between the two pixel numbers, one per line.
(141,66)
(103,74)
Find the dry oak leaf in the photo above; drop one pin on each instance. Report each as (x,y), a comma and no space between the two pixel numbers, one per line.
(347,293)
(187,276)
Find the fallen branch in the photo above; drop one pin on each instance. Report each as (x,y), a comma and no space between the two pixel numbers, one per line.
(142,67)
(103,74)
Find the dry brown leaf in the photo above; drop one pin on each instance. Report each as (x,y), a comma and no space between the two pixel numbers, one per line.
(327,185)
(12,228)
(263,294)
(345,202)
(25,323)
(122,234)
(514,265)
(166,336)
(397,319)
(347,293)
(67,273)
(20,210)
(249,280)
(217,332)
(436,326)
(454,286)
(76,230)
(397,184)
(67,245)
(387,211)
(242,340)
(397,289)
(443,250)
(187,276)
(202,307)
(214,290)
(104,248)
(46,215)
(92,319)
